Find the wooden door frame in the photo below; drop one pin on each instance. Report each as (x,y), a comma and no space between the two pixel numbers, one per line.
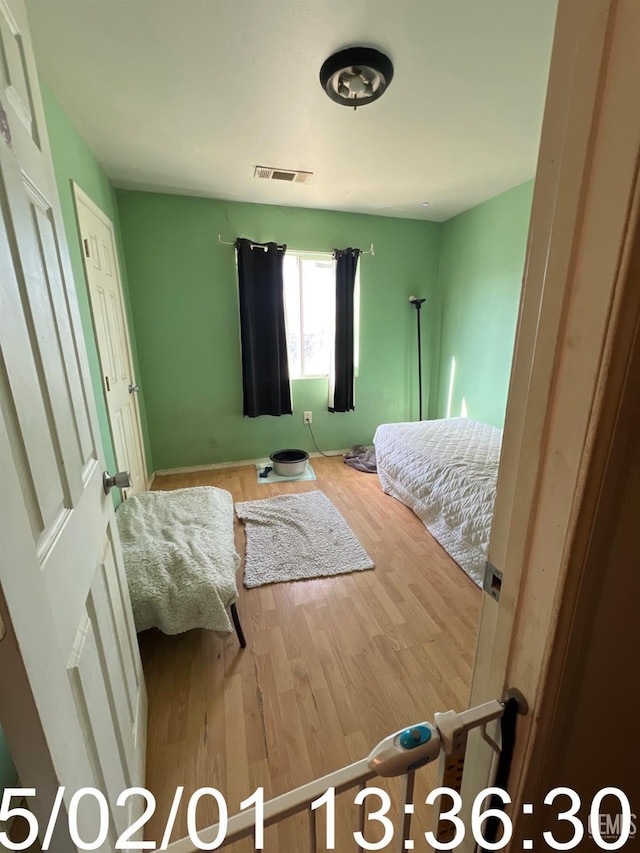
(578,315)
(80,197)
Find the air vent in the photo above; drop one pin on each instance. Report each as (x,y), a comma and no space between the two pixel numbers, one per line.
(289,175)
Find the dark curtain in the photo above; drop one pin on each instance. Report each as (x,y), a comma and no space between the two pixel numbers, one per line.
(265,367)
(341,389)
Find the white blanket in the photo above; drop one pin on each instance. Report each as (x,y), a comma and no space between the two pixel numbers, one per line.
(180,558)
(446,471)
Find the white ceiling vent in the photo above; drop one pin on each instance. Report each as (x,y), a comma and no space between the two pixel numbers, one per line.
(289,175)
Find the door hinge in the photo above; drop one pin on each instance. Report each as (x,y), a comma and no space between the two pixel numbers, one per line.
(86,248)
(107,383)
(492,581)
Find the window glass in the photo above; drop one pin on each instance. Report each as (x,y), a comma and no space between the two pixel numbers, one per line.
(309,293)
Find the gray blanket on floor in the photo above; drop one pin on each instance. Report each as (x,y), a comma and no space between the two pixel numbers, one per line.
(362,459)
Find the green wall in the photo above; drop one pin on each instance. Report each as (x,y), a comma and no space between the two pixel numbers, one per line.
(185,311)
(480,276)
(73,161)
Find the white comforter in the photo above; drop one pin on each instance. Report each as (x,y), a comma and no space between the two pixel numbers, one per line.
(446,471)
(180,558)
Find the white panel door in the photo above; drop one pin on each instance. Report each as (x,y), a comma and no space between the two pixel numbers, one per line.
(114,347)
(73,706)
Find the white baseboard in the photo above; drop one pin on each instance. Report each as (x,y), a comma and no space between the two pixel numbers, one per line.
(215,466)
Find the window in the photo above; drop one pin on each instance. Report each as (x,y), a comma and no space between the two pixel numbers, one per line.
(310,308)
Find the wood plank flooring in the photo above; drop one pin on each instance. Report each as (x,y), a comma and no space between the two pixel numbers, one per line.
(331,666)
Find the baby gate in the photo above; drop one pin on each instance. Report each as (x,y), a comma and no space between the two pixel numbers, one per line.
(400,754)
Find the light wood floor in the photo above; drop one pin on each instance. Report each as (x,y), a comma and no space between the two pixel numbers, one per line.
(331,667)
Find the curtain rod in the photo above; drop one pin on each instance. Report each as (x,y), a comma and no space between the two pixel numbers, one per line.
(299,251)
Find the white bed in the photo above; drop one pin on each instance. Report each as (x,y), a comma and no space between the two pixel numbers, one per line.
(180,559)
(446,472)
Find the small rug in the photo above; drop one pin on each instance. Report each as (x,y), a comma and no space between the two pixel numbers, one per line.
(296,537)
(307,474)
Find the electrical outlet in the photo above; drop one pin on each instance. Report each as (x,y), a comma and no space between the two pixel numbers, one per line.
(307,418)
(215,442)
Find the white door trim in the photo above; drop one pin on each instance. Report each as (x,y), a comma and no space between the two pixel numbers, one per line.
(79,196)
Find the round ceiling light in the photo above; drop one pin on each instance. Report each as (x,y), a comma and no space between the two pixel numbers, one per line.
(356,76)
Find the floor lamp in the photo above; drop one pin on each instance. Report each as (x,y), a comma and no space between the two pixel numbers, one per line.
(417,304)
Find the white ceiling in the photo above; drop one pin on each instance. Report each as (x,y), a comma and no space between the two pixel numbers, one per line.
(187,96)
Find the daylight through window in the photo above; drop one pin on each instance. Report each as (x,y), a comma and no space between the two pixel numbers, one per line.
(310,306)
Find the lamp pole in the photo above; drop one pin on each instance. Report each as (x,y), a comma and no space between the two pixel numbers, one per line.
(417,304)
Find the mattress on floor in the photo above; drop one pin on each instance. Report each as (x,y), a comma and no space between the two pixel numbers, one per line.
(446,472)
(180,558)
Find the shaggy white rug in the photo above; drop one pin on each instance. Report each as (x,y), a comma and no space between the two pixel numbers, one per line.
(295,537)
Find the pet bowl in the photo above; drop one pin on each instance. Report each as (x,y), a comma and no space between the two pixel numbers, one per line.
(289,463)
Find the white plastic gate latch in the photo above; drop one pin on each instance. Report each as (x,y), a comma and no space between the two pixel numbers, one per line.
(405,750)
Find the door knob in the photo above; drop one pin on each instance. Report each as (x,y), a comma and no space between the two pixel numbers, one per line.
(133,389)
(122,480)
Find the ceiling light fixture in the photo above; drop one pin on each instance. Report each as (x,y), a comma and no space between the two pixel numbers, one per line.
(356,76)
